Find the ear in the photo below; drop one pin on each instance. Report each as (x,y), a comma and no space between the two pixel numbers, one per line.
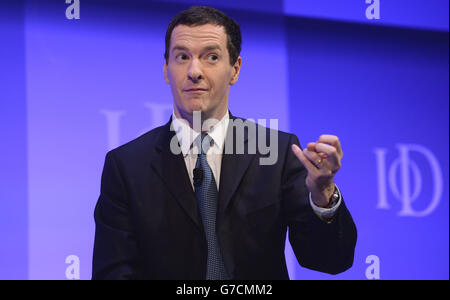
(166,77)
(236,70)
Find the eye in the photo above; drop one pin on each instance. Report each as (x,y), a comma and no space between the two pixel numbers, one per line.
(181,57)
(213,57)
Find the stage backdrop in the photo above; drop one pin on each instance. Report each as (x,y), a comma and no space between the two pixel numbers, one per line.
(81,78)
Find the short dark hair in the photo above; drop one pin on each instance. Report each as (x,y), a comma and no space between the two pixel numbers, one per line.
(201,15)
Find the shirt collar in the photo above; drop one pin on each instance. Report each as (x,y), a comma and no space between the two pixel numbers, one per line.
(186,135)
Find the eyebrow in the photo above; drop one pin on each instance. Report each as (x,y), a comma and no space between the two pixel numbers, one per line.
(207,48)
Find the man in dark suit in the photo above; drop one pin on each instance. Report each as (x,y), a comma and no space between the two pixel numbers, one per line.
(192,200)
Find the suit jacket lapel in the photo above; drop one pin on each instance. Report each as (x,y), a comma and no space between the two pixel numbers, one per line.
(172,170)
(232,170)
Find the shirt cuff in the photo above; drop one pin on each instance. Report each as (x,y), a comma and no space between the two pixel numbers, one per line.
(326,214)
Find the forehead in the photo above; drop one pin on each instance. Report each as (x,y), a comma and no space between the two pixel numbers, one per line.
(198,36)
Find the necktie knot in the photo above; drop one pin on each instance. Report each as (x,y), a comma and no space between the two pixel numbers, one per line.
(206,143)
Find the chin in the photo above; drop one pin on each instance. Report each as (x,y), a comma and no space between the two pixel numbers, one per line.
(197,105)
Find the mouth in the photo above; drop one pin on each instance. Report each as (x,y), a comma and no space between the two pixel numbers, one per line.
(196,90)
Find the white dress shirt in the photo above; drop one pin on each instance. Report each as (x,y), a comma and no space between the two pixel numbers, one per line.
(190,147)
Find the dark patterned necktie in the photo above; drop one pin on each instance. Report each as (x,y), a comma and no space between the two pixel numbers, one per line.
(207,197)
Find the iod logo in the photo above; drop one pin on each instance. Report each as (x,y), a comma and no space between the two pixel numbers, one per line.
(405,179)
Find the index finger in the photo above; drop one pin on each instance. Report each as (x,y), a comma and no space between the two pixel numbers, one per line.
(331,140)
(303,159)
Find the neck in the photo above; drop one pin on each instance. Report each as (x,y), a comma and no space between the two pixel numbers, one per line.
(200,121)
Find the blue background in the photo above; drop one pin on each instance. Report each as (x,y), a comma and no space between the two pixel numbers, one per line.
(70,90)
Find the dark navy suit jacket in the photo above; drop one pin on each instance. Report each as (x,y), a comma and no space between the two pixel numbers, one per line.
(148,224)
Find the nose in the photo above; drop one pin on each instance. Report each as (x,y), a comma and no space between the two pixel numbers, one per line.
(194,72)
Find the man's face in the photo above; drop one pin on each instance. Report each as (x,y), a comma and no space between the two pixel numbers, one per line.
(199,71)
